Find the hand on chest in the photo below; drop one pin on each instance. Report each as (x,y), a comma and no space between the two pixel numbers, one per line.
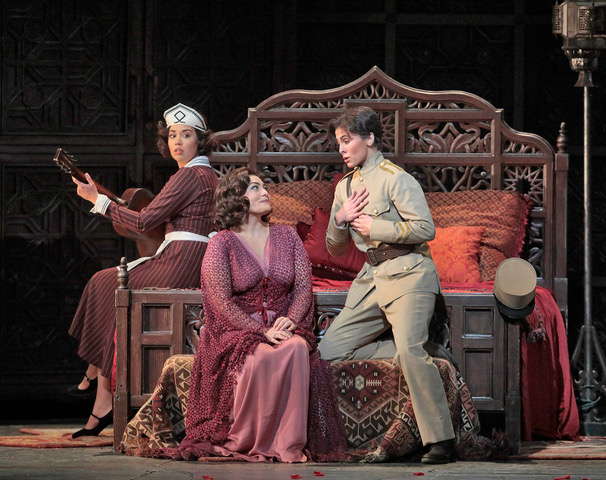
(379,202)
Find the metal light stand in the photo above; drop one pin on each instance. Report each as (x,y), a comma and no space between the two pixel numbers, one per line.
(582,24)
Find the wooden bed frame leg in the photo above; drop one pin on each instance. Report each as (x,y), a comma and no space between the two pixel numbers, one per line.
(513,403)
(121,397)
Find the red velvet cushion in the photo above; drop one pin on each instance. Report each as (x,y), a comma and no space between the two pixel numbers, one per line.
(343,267)
(303,230)
(336,178)
(503,214)
(455,251)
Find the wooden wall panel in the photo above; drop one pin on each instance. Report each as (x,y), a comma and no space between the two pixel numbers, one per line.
(63,70)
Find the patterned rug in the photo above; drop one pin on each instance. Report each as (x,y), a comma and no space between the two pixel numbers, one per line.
(586,448)
(55,438)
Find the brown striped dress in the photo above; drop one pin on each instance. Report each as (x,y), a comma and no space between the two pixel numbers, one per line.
(185,203)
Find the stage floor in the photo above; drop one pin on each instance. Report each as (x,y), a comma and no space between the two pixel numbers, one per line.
(101,463)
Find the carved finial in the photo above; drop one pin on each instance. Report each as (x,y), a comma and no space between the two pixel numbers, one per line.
(122,274)
(562,141)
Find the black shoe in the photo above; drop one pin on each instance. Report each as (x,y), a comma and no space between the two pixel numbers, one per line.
(95,431)
(441,452)
(88,392)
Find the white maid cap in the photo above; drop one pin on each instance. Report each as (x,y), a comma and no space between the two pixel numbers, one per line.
(184,115)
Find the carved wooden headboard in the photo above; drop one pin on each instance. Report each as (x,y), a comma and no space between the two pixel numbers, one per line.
(449,140)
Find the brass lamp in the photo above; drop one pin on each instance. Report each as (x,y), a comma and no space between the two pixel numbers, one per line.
(582,26)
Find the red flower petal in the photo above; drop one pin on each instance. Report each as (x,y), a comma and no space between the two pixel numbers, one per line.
(565,477)
(418,474)
(295,476)
(318,474)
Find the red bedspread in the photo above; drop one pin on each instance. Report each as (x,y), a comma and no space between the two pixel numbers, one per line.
(549,408)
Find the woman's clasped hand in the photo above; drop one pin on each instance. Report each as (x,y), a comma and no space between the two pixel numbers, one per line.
(281,330)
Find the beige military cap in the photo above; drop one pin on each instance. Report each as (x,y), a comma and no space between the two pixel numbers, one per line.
(514,288)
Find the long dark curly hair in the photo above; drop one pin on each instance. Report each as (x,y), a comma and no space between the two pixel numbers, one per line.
(231,206)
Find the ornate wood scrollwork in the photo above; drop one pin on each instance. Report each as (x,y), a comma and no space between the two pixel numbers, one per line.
(528,179)
(428,105)
(273,173)
(388,124)
(224,169)
(535,245)
(299,136)
(451,178)
(448,137)
(237,145)
(510,146)
(373,91)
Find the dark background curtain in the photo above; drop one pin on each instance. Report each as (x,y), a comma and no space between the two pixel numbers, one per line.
(95,76)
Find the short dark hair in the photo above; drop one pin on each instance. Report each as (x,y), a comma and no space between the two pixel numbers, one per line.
(361,121)
(206,141)
(231,206)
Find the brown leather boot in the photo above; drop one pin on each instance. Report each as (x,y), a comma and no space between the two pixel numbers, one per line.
(440,452)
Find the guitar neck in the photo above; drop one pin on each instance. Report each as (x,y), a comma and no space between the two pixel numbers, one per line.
(79,175)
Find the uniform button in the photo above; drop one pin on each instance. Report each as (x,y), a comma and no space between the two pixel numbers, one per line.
(376,211)
(362,180)
(407,268)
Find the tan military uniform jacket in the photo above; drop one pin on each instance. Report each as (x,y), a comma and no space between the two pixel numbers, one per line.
(400,215)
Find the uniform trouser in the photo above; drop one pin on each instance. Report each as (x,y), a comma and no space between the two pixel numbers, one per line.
(353,336)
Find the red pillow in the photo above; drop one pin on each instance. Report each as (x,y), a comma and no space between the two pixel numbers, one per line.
(456,251)
(303,230)
(343,267)
(503,214)
(336,178)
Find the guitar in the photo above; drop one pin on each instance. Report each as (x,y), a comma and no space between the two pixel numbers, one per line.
(133,198)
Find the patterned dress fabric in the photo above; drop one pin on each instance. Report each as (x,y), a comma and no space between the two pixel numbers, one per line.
(373,403)
(239,300)
(184,204)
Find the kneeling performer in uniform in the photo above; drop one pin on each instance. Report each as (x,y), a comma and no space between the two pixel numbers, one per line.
(384,210)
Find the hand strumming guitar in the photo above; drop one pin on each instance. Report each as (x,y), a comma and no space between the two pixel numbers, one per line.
(88,191)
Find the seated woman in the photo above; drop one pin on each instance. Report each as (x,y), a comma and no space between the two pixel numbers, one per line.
(184,205)
(251,394)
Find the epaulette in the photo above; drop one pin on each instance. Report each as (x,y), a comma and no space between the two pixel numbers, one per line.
(390,167)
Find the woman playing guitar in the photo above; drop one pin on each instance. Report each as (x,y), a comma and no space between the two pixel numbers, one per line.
(184,206)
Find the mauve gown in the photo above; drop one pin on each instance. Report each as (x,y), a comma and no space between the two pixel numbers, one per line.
(249,398)
(185,203)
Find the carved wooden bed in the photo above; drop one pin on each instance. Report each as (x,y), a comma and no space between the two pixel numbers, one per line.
(450,141)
